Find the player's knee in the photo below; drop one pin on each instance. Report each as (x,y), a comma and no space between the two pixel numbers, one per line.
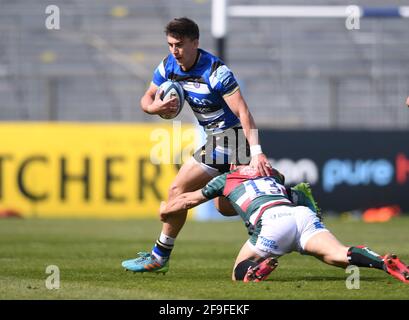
(241,269)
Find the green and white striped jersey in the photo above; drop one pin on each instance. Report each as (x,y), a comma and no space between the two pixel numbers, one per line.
(248,191)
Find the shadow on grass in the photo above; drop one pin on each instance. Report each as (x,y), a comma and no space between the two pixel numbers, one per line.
(318,278)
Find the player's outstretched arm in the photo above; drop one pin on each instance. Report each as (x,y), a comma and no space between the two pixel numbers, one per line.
(181,203)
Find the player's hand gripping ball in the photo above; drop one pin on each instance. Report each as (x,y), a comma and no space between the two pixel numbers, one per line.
(171,89)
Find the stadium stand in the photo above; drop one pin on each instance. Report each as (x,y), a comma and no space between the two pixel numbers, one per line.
(295,73)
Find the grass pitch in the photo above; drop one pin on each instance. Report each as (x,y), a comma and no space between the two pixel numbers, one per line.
(88,254)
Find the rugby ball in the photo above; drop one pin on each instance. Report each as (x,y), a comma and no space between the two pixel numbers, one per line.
(172,89)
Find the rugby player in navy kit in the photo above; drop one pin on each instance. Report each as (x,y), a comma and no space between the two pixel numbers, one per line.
(215,98)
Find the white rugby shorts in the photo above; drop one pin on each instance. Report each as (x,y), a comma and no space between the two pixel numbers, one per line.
(285,229)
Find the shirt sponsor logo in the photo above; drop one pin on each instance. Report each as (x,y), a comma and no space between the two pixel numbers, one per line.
(197,101)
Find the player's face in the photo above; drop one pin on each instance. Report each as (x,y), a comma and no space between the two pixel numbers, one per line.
(184,50)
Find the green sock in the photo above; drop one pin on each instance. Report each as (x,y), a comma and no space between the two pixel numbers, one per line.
(363,257)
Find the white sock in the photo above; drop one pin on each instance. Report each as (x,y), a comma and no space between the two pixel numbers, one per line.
(163,247)
(166,239)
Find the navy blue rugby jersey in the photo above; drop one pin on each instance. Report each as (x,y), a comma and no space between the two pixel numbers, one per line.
(204,84)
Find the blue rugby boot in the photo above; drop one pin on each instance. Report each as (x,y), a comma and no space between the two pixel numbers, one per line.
(145,262)
(301,195)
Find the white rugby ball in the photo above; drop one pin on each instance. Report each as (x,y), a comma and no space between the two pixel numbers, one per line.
(172,89)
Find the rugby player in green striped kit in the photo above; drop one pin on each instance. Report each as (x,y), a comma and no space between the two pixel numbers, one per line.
(277,226)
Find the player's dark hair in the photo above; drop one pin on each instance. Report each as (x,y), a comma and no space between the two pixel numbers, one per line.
(182,28)
(241,269)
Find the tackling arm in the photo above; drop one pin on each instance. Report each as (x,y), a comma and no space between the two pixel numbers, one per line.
(181,203)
